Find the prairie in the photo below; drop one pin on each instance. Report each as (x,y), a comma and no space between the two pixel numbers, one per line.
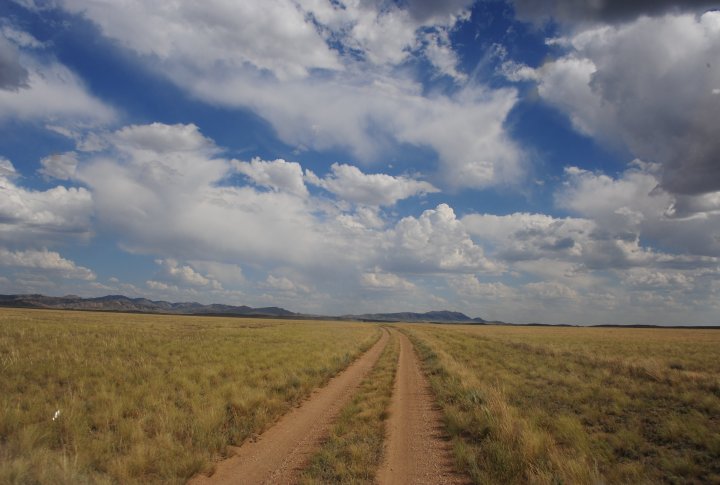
(577,405)
(125,398)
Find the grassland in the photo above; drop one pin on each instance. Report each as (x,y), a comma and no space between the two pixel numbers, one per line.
(568,405)
(353,451)
(149,399)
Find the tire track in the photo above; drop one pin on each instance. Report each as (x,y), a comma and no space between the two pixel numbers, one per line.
(417,451)
(279,454)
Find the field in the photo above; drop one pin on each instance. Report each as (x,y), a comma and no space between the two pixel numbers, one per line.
(573,405)
(120,398)
(146,398)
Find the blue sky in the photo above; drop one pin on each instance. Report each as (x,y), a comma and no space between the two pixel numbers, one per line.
(553,161)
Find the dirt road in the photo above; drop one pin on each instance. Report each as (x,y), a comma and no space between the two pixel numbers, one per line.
(279,453)
(415,452)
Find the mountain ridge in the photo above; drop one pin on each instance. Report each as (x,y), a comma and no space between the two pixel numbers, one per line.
(122,303)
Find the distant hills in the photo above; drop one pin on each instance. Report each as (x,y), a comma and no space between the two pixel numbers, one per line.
(443,316)
(120,303)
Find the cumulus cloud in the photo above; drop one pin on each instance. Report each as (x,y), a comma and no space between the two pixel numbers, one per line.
(44,260)
(186,275)
(379,280)
(613,84)
(40,217)
(277,175)
(436,242)
(352,185)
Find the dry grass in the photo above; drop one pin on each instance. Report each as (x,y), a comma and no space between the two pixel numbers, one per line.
(353,451)
(146,399)
(567,405)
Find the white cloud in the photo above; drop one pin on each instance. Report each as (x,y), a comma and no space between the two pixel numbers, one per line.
(185,274)
(278,175)
(436,242)
(38,217)
(379,280)
(285,284)
(219,34)
(59,166)
(277,60)
(52,92)
(44,260)
(7,170)
(350,184)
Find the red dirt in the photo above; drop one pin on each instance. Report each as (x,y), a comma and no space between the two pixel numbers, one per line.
(416,451)
(281,452)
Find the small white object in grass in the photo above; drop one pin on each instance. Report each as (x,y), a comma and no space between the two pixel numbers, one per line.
(57,415)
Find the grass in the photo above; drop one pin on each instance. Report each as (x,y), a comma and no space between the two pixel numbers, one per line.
(353,451)
(567,405)
(150,398)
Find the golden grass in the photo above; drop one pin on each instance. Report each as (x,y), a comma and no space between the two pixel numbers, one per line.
(150,398)
(353,451)
(574,405)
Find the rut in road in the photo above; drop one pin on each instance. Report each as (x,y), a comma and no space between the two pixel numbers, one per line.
(416,451)
(280,453)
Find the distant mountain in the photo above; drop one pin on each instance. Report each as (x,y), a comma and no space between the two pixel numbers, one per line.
(120,303)
(443,316)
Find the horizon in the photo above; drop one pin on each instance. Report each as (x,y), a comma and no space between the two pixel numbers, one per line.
(519,161)
(474,319)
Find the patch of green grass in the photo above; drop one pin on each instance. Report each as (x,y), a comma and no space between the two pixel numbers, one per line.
(533,405)
(353,451)
(151,398)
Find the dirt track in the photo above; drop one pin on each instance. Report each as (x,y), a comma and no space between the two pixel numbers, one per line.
(280,452)
(416,451)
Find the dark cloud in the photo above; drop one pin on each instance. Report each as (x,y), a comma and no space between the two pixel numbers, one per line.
(12,74)
(609,11)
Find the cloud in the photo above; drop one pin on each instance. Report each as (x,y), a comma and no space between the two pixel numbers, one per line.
(185,275)
(379,280)
(352,185)
(550,290)
(51,92)
(59,166)
(614,81)
(7,170)
(44,260)
(329,75)
(160,138)
(272,36)
(277,175)
(40,217)
(13,76)
(602,11)
(436,242)
(285,285)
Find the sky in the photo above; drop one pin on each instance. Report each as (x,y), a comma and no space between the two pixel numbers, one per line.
(553,161)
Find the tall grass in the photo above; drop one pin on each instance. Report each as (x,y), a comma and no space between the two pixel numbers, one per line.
(529,406)
(353,451)
(150,399)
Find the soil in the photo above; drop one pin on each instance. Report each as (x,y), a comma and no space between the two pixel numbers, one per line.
(416,451)
(280,453)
